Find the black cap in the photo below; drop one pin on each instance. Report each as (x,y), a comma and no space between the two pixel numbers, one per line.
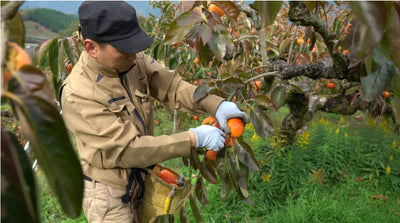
(113,22)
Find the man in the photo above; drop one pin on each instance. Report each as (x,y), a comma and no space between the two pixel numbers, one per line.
(106,105)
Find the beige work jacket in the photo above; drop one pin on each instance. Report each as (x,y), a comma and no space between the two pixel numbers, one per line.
(111,116)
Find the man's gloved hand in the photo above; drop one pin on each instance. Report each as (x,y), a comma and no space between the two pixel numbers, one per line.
(227,110)
(209,137)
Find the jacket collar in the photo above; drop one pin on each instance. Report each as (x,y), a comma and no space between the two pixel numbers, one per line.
(98,68)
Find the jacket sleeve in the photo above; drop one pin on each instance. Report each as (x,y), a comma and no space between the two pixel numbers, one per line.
(107,141)
(168,87)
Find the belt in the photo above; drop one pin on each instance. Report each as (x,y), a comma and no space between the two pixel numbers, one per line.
(89,179)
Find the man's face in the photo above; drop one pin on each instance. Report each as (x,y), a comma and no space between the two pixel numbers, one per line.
(113,58)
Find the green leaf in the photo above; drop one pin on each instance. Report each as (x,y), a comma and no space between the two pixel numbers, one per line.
(181,26)
(41,51)
(264,102)
(198,216)
(218,45)
(62,72)
(194,160)
(262,123)
(17,30)
(377,81)
(71,47)
(246,155)
(205,53)
(225,189)
(373,18)
(53,60)
(232,84)
(283,46)
(239,179)
(278,96)
(184,6)
(201,92)
(208,173)
(205,32)
(201,192)
(183,216)
(174,60)
(18,192)
(268,10)
(47,134)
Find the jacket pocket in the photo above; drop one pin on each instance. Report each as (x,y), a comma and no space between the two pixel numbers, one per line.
(119,106)
(146,110)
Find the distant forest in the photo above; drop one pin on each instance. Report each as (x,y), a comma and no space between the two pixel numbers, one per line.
(54,20)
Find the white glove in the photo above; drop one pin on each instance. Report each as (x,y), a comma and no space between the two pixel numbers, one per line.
(209,137)
(227,110)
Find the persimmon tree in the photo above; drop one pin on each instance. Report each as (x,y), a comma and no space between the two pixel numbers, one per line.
(296,49)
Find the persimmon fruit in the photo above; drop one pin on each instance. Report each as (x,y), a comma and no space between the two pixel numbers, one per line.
(216,9)
(69,68)
(168,177)
(18,57)
(386,94)
(236,126)
(300,40)
(210,121)
(229,141)
(196,60)
(258,85)
(330,85)
(211,155)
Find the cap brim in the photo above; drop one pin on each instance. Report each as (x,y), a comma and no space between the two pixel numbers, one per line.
(134,44)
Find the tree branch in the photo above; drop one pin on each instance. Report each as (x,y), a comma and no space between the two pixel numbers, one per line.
(324,69)
(300,15)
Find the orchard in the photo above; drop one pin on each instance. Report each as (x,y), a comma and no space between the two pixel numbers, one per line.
(307,57)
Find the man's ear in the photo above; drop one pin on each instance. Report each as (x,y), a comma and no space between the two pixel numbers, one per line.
(90,47)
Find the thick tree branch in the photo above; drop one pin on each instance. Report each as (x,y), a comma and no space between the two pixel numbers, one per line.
(299,14)
(325,69)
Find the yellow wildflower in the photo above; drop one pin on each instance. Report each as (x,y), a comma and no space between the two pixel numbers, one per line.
(304,140)
(341,121)
(337,131)
(384,125)
(266,177)
(388,170)
(250,126)
(391,158)
(256,138)
(394,144)
(371,122)
(346,135)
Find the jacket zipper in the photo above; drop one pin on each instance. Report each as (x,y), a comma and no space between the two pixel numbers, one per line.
(122,77)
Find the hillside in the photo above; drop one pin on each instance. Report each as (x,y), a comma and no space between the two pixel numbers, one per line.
(35,32)
(54,20)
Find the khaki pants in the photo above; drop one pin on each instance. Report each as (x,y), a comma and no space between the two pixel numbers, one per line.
(102,204)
